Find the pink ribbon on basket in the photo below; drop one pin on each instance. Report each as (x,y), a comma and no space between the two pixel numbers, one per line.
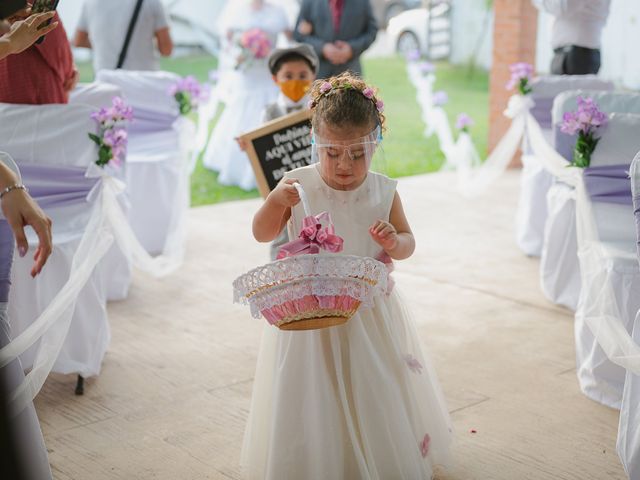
(388,262)
(313,237)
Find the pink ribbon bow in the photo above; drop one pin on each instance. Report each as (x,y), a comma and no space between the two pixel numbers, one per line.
(313,237)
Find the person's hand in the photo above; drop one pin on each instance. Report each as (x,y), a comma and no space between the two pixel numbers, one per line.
(285,194)
(20,15)
(242,143)
(331,53)
(24,33)
(345,52)
(20,210)
(71,82)
(384,234)
(305,28)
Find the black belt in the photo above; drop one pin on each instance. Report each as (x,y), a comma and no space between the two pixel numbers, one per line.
(568,48)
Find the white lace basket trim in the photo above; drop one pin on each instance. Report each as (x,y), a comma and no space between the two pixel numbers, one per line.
(323,275)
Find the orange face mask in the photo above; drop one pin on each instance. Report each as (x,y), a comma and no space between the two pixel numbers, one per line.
(295,89)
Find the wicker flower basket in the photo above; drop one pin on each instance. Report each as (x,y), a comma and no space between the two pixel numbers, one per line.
(309,291)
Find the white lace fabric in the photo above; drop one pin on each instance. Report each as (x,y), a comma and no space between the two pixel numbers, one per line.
(292,278)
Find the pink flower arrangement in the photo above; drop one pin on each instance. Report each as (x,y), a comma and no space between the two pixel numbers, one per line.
(255,45)
(521,75)
(112,134)
(584,122)
(380,106)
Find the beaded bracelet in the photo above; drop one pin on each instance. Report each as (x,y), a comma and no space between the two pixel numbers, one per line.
(17,186)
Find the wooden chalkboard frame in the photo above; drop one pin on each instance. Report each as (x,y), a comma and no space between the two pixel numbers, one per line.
(265,130)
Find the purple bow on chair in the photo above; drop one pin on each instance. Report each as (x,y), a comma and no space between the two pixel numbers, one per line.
(313,237)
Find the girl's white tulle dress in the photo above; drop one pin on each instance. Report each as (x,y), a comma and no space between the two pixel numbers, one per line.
(251,89)
(358,401)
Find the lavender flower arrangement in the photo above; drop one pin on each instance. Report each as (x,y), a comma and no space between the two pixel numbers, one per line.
(521,75)
(188,93)
(413,56)
(426,68)
(464,122)
(112,134)
(440,98)
(584,122)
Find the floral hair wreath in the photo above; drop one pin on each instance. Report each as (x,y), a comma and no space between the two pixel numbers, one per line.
(327,88)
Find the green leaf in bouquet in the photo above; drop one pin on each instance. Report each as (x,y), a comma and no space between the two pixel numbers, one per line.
(95,138)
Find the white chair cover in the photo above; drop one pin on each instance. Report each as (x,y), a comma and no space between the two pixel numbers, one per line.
(610,276)
(72,334)
(535,179)
(116,269)
(628,444)
(559,269)
(158,160)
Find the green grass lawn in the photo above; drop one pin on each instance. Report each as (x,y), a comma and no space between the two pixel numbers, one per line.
(407,151)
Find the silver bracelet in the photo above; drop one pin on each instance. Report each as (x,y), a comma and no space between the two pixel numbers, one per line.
(17,186)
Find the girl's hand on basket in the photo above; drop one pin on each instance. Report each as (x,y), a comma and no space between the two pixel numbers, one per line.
(384,234)
(285,194)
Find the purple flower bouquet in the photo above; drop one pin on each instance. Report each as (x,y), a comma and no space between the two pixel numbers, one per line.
(112,135)
(584,122)
(188,93)
(463,122)
(521,75)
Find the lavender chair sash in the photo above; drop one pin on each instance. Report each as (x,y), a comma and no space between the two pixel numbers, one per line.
(6,259)
(541,111)
(148,121)
(57,186)
(609,184)
(563,142)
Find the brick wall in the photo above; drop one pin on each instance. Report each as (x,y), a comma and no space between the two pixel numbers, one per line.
(514,40)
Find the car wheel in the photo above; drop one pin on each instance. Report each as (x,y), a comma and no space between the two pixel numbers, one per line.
(407,42)
(393,10)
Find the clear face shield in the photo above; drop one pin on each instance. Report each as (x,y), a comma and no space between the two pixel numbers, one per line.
(344,161)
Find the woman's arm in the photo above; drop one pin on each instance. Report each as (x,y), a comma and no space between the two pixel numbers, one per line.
(394,236)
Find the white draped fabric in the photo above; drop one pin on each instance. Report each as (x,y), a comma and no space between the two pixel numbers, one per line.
(116,269)
(158,156)
(535,179)
(59,319)
(610,276)
(559,269)
(628,444)
(57,324)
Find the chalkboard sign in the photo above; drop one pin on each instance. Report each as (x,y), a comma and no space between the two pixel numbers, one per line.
(278,147)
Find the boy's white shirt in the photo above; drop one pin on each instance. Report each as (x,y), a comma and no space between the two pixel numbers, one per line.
(285,102)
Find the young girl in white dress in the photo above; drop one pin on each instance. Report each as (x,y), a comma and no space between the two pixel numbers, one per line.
(251,89)
(360,400)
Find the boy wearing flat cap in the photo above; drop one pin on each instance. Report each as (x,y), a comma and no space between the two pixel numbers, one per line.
(293,69)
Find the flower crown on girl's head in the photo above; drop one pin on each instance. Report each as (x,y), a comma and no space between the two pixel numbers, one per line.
(329,88)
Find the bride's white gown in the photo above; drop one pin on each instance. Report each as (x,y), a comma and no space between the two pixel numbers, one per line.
(359,401)
(251,89)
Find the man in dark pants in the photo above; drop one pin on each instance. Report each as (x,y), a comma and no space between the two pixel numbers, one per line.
(576,34)
(339,31)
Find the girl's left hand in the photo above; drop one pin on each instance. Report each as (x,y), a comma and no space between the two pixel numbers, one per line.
(384,234)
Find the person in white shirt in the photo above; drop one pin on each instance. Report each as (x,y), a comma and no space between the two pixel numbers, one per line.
(576,34)
(103,27)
